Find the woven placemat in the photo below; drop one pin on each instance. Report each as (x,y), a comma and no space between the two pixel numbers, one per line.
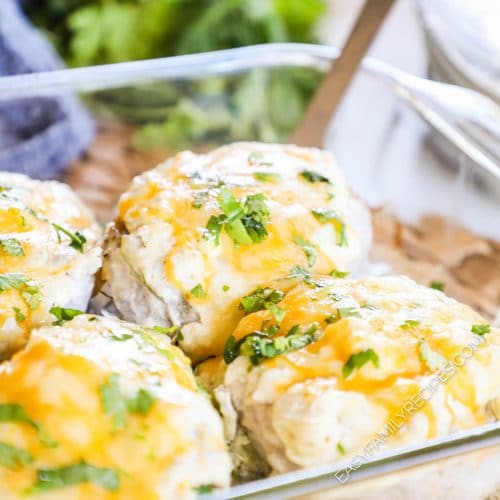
(434,250)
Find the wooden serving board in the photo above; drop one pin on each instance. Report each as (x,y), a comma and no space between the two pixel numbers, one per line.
(433,250)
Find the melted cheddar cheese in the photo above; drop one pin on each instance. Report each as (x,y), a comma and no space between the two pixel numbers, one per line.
(49,252)
(108,410)
(168,246)
(388,356)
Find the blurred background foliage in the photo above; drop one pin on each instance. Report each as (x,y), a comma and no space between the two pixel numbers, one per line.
(262,105)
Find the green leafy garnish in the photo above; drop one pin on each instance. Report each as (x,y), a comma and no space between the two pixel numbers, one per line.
(312,176)
(12,246)
(113,402)
(30,292)
(242,222)
(326,215)
(64,314)
(141,403)
(258,345)
(261,298)
(225,288)
(51,479)
(198,292)
(409,324)
(358,360)
(77,240)
(204,488)
(345,312)
(437,285)
(121,337)
(480,329)
(117,406)
(432,359)
(12,457)
(20,317)
(308,248)
(13,412)
(266,176)
(277,312)
(339,274)
(174,332)
(341,449)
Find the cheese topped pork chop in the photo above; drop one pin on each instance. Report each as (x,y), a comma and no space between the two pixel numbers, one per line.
(99,408)
(198,232)
(49,253)
(374,362)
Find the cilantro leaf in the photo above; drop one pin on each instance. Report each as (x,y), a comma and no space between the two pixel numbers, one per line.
(199,292)
(432,359)
(77,239)
(12,246)
(30,292)
(409,324)
(13,412)
(308,248)
(261,298)
(258,345)
(141,403)
(12,457)
(311,176)
(339,274)
(242,222)
(480,329)
(204,488)
(51,479)
(437,285)
(64,314)
(113,402)
(266,176)
(20,317)
(358,360)
(116,405)
(326,215)
(199,199)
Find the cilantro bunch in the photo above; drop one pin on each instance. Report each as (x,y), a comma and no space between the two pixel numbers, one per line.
(261,105)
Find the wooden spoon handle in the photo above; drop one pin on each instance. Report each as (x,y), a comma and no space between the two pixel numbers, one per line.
(312,128)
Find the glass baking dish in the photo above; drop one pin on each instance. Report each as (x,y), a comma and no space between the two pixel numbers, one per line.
(432,220)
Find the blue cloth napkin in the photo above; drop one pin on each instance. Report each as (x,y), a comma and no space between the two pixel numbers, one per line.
(39,136)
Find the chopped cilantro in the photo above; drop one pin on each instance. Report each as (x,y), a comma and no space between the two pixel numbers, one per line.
(266,176)
(258,345)
(432,359)
(113,402)
(51,479)
(259,299)
(242,222)
(340,448)
(308,249)
(121,337)
(480,329)
(12,246)
(29,291)
(116,405)
(225,288)
(277,312)
(12,457)
(339,274)
(77,240)
(312,176)
(358,360)
(141,403)
(345,312)
(64,314)
(437,285)
(198,292)
(326,215)
(204,488)
(409,324)
(20,317)
(13,412)
(174,331)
